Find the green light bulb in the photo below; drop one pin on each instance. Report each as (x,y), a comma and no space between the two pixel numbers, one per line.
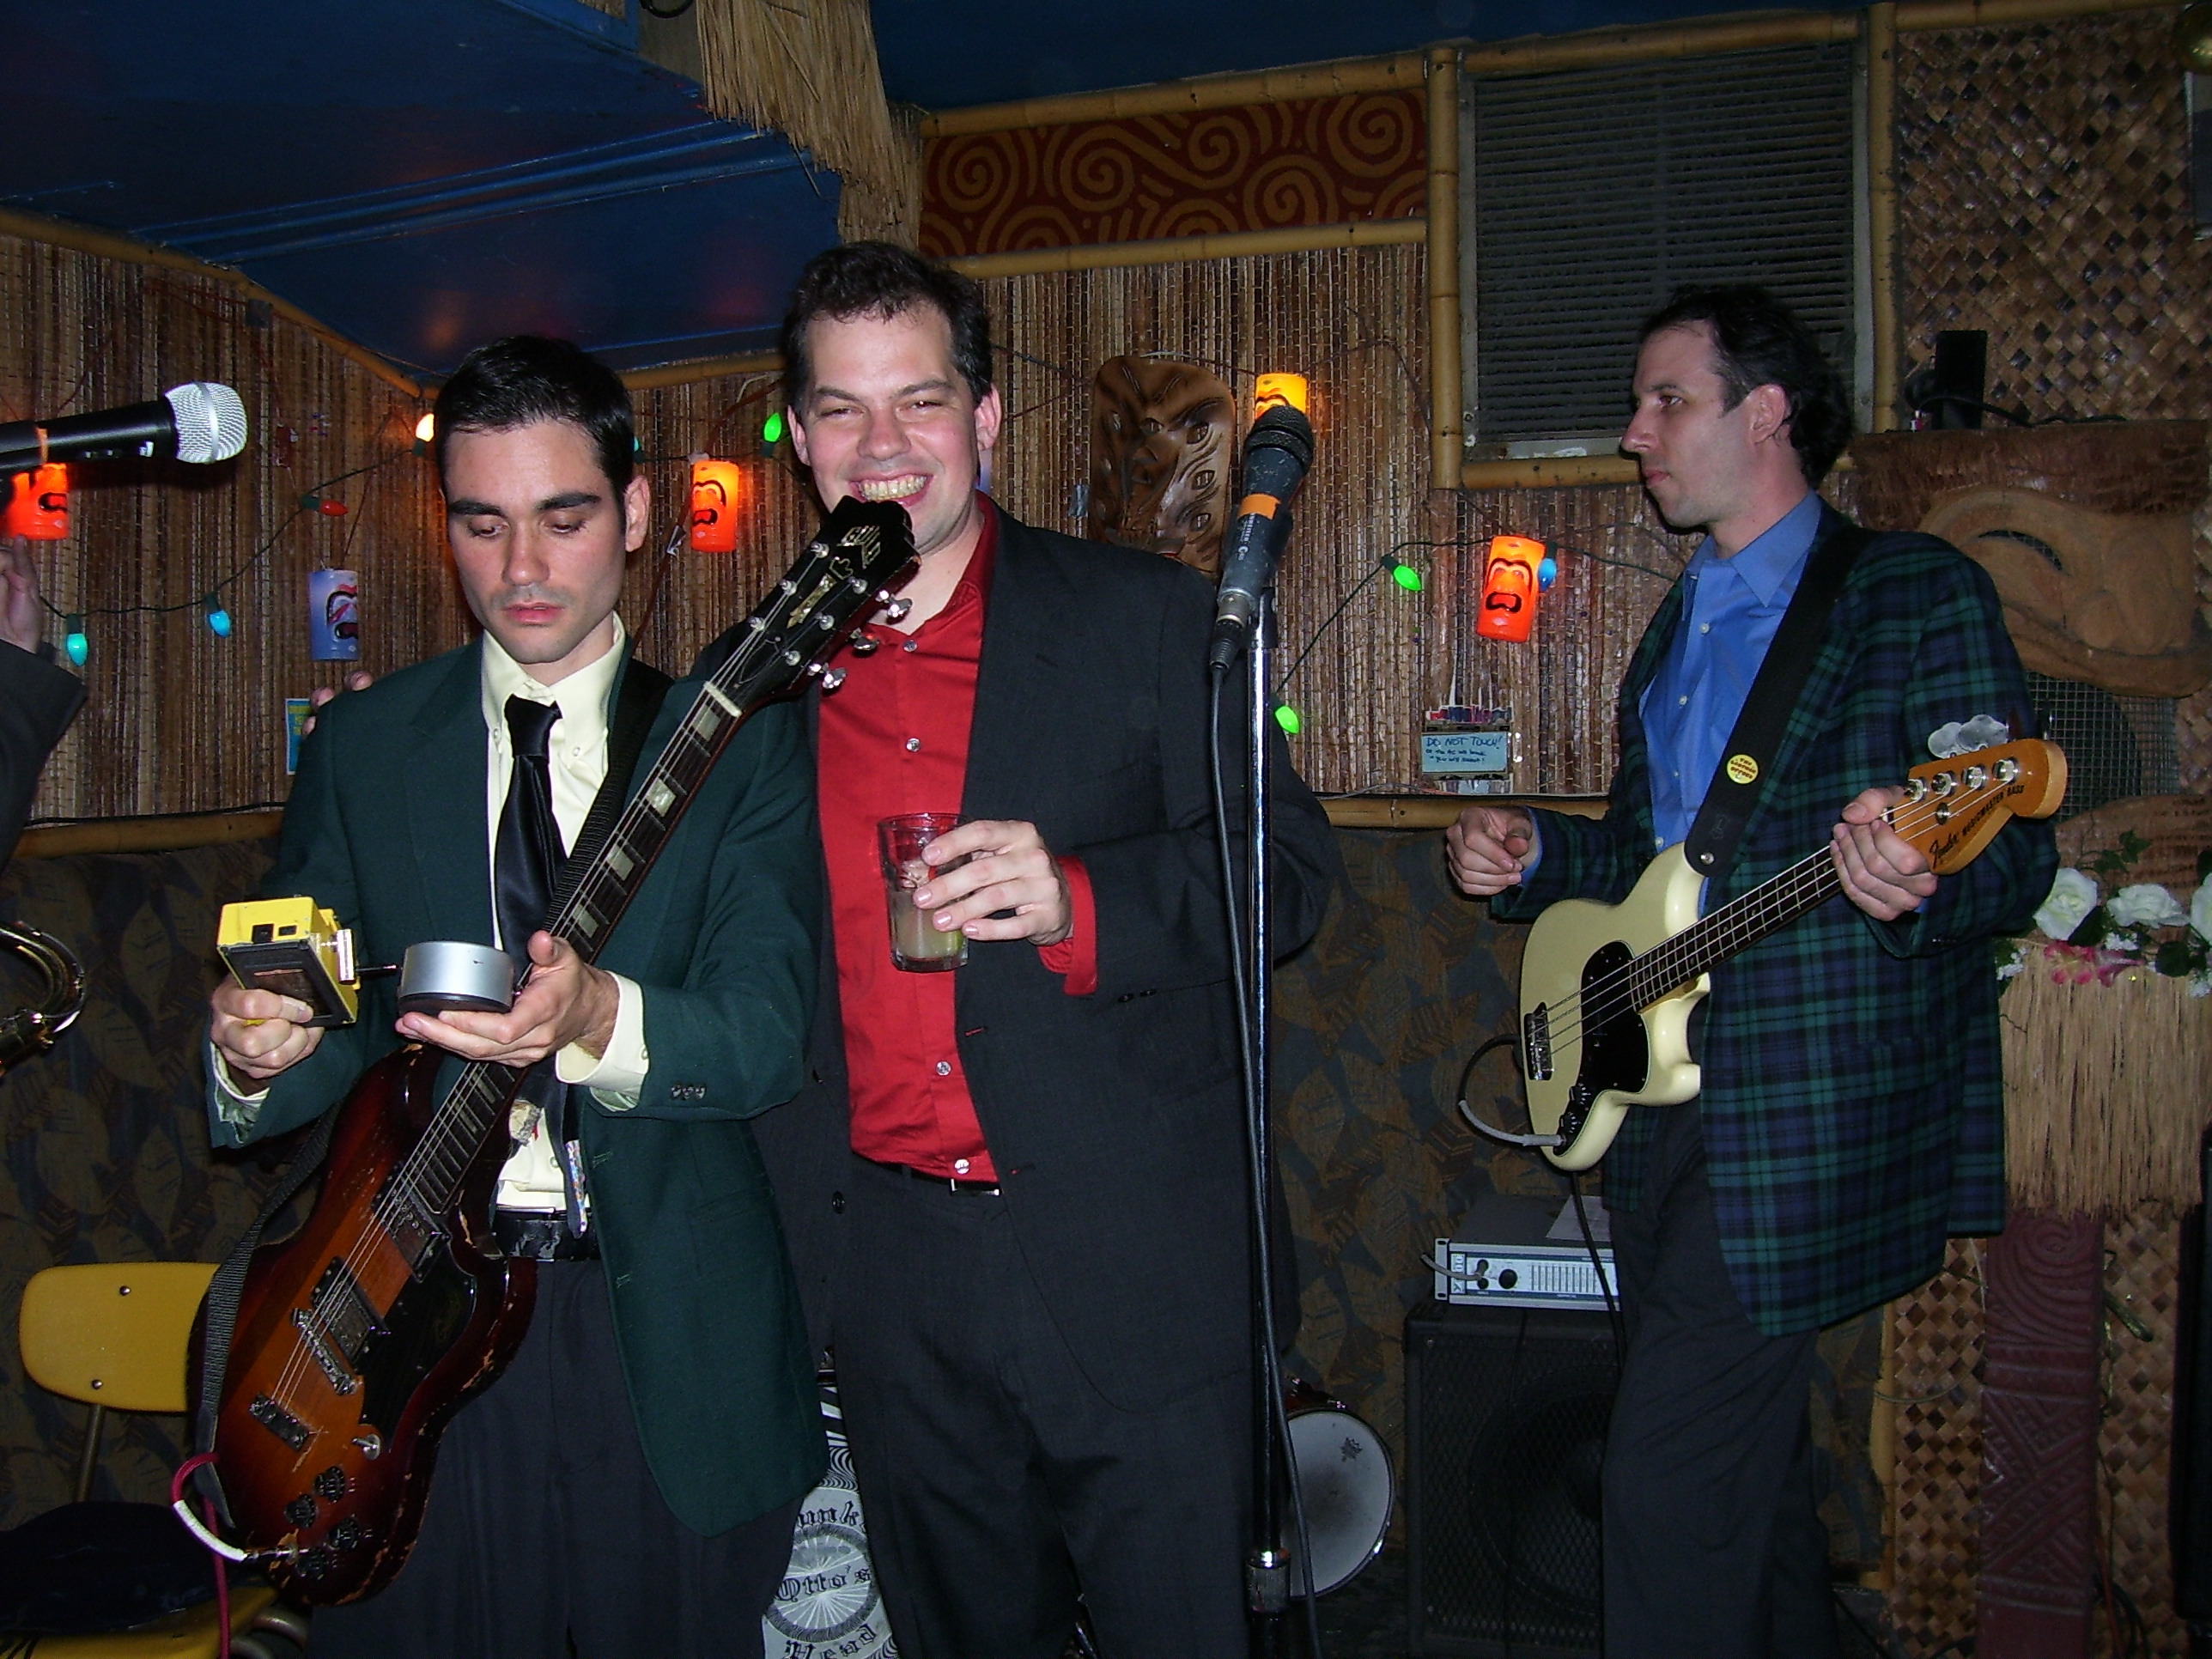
(1287,718)
(772,429)
(1406,577)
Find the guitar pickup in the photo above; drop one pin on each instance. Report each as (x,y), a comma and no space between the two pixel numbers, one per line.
(1537,1044)
(279,1422)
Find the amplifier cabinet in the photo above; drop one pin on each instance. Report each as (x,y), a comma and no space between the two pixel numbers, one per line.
(1506,1412)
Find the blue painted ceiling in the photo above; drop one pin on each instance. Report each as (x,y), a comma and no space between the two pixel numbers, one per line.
(423,175)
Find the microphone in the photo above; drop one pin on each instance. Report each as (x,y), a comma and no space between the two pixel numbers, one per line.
(202,422)
(1276,457)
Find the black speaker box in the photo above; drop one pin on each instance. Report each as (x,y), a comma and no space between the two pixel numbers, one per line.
(1506,1412)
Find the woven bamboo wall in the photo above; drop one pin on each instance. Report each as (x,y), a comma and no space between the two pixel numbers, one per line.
(1351,320)
(178,719)
(2042,195)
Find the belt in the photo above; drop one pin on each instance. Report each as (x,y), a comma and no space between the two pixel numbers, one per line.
(950,1183)
(528,1236)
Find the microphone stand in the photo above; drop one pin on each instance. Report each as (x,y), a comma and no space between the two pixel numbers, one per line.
(1267,1574)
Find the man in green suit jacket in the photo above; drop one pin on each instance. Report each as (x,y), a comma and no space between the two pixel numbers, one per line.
(628,1484)
(1850,1115)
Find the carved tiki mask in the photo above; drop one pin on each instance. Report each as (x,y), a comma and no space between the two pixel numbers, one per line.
(2084,529)
(1162,447)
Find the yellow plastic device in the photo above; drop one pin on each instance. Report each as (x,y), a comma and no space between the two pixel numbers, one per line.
(295,948)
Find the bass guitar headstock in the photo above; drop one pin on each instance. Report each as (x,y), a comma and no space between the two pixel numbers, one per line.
(1952,808)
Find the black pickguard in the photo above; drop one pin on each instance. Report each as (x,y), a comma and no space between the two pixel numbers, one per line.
(1616,1052)
(419,1332)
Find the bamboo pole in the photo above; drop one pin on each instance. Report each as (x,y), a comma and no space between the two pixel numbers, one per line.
(161,835)
(1881,204)
(1923,15)
(1446,396)
(1548,472)
(1170,249)
(1440,811)
(106,245)
(704,368)
(1401,71)
(1634,45)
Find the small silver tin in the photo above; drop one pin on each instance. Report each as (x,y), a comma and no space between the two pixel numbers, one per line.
(439,975)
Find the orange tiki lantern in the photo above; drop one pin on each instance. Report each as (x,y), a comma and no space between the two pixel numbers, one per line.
(1274,390)
(714,490)
(39,508)
(1510,587)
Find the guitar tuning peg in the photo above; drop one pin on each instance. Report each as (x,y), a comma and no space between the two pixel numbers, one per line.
(832,679)
(865,645)
(896,609)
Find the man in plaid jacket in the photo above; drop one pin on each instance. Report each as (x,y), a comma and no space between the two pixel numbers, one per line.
(1851,1115)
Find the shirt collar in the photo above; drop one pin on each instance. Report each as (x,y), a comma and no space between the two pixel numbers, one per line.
(974,587)
(582,697)
(1772,559)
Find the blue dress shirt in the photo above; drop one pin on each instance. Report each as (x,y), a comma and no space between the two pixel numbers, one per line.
(1729,614)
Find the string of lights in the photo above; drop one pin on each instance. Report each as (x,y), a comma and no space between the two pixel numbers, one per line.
(77,642)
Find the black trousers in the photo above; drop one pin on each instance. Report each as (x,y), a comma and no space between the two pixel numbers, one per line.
(997,1484)
(1714,1547)
(544,1527)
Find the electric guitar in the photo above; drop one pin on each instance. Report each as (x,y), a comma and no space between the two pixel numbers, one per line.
(357,1338)
(1607,989)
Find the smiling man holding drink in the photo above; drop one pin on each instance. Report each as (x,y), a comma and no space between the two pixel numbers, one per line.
(1016,1189)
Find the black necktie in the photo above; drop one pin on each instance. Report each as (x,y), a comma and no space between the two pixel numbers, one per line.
(528,849)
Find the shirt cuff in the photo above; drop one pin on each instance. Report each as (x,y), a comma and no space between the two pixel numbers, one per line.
(239,1111)
(618,1075)
(1076,958)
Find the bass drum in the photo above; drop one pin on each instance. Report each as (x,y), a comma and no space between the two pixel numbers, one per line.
(827,1607)
(1344,1472)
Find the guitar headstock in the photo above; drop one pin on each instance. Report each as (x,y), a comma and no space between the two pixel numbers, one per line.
(1952,808)
(859,558)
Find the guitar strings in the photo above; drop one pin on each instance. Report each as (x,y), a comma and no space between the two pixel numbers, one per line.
(1631,988)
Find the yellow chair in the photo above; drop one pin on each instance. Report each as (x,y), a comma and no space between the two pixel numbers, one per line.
(116,1336)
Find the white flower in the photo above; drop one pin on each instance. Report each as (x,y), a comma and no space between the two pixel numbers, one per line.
(2073,895)
(2200,911)
(2145,904)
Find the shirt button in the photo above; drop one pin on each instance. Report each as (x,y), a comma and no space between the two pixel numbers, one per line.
(1704,628)
(960,1166)
(1679,703)
(915,645)
(914,744)
(945,1068)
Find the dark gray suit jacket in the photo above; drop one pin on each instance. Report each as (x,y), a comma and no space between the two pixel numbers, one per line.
(1116,1120)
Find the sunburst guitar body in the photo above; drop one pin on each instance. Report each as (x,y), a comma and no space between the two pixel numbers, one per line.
(1606,990)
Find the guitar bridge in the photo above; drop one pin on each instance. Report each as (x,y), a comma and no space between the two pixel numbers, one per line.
(279,1422)
(341,1380)
(1536,1044)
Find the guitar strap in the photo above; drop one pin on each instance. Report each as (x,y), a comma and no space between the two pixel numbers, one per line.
(1748,757)
(636,706)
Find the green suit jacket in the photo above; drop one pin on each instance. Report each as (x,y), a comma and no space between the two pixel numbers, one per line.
(386,826)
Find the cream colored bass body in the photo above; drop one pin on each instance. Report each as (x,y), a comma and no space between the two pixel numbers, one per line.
(1607,989)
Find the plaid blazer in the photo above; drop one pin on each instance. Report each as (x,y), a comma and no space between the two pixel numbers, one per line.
(1852,1102)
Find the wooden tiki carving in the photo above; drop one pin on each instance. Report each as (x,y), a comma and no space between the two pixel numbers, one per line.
(1163,436)
(2086,530)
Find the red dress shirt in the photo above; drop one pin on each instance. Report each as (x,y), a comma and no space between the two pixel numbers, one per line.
(894,739)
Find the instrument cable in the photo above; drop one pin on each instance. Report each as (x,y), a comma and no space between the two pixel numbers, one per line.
(1278,1422)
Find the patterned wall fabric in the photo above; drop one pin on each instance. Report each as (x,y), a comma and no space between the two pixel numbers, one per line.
(104,1153)
(1318,161)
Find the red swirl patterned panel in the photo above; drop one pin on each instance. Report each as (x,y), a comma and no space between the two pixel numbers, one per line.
(1259,166)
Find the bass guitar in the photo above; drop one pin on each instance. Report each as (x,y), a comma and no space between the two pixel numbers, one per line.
(1607,989)
(358,1337)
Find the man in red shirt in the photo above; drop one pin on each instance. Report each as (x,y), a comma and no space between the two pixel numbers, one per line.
(1016,1190)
